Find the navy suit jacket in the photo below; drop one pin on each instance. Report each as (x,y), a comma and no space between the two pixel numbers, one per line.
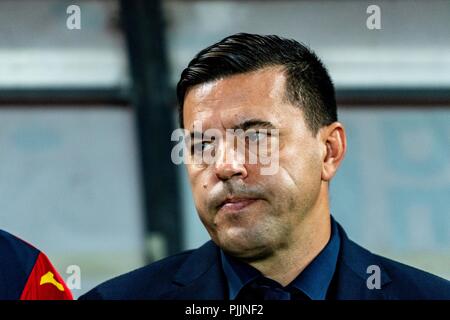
(197,274)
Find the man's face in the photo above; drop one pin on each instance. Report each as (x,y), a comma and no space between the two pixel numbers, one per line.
(248,214)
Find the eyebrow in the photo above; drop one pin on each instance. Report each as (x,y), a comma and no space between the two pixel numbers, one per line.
(247,124)
(252,123)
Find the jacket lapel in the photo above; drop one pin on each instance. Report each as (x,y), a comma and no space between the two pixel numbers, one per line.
(351,272)
(200,277)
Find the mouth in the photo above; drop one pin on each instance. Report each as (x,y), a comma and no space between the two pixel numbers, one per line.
(232,205)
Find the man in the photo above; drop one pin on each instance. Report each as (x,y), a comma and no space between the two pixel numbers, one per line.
(27,274)
(273,236)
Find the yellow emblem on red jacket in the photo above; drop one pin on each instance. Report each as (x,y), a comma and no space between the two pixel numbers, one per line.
(49,278)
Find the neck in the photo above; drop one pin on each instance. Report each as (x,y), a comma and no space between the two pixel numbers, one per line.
(307,242)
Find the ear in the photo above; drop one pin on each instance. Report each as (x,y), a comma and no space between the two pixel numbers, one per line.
(335,145)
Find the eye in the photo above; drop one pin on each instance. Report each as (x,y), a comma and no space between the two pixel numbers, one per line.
(255,136)
(200,147)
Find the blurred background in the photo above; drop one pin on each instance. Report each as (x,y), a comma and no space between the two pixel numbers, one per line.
(86,116)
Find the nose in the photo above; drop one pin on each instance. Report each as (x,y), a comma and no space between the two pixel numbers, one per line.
(229,164)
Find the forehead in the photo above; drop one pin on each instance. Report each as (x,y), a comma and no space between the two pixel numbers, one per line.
(224,102)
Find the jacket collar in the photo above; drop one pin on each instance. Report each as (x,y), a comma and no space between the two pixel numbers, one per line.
(201,275)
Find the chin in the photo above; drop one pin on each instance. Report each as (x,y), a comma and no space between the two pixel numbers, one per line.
(244,243)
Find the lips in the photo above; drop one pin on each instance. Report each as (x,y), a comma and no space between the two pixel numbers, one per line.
(236,204)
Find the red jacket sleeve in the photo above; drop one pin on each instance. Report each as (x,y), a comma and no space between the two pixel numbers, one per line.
(45,283)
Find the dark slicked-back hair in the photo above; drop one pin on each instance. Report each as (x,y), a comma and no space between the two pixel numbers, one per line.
(308,84)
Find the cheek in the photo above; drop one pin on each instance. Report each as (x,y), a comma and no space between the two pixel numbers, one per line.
(200,190)
(194,180)
(300,172)
(200,196)
(301,159)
